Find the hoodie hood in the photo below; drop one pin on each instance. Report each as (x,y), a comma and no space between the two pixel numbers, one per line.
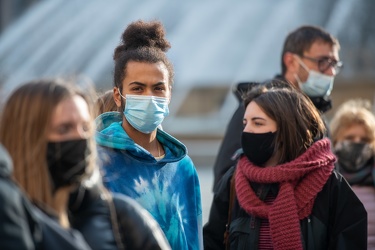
(6,165)
(111,134)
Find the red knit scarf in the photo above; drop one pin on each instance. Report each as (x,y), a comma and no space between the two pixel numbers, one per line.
(299,183)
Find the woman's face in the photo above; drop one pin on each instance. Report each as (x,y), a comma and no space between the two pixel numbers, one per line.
(256,121)
(354,133)
(71,120)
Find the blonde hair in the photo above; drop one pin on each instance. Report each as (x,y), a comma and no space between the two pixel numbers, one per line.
(24,126)
(105,103)
(353,112)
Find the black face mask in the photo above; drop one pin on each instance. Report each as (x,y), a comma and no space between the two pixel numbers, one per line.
(66,162)
(258,147)
(353,156)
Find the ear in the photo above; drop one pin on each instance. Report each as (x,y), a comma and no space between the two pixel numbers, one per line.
(291,63)
(117,97)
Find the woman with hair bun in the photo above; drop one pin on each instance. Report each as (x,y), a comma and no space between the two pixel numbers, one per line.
(138,158)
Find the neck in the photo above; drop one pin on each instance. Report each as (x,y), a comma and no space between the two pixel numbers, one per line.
(60,201)
(146,141)
(291,79)
(273,161)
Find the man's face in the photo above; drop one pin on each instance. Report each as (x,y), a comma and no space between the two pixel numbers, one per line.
(142,78)
(319,58)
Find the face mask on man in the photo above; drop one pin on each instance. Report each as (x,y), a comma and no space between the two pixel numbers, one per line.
(66,161)
(258,148)
(316,84)
(353,156)
(145,113)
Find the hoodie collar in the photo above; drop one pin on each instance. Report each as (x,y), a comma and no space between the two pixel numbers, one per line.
(111,134)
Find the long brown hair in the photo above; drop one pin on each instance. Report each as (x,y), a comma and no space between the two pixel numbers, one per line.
(24,126)
(298,121)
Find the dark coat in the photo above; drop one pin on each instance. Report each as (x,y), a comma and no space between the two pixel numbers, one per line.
(232,138)
(338,219)
(18,229)
(24,226)
(114,221)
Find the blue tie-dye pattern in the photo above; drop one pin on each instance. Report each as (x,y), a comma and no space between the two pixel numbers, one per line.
(168,189)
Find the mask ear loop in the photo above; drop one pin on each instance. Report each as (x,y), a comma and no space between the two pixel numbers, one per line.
(298,79)
(304,67)
(302,63)
(122,106)
(119,91)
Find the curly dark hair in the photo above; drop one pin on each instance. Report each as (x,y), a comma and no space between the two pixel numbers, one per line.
(141,42)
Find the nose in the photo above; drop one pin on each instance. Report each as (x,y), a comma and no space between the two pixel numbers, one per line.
(331,71)
(82,132)
(357,139)
(78,134)
(247,128)
(148,92)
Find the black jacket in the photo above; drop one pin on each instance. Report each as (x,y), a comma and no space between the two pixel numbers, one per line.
(23,225)
(232,138)
(114,221)
(338,219)
(18,229)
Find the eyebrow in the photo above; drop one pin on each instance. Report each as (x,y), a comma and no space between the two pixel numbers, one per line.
(256,118)
(144,85)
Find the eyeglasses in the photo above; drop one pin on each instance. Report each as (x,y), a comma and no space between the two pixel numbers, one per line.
(325,62)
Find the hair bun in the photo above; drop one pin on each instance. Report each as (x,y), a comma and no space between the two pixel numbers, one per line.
(144,34)
(143,42)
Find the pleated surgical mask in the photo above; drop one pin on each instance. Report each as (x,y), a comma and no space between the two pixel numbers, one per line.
(316,84)
(145,113)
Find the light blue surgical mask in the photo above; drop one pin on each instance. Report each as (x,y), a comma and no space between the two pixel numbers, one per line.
(316,84)
(145,113)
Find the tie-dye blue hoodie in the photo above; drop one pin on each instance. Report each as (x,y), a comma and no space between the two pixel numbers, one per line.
(169,188)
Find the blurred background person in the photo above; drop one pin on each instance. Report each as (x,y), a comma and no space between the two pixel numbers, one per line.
(105,102)
(48,126)
(353,137)
(309,62)
(45,127)
(139,159)
(284,192)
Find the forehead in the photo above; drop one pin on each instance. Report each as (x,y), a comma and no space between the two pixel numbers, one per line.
(254,110)
(322,49)
(70,109)
(147,73)
(356,129)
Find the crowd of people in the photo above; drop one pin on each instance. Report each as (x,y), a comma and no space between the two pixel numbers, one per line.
(79,170)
